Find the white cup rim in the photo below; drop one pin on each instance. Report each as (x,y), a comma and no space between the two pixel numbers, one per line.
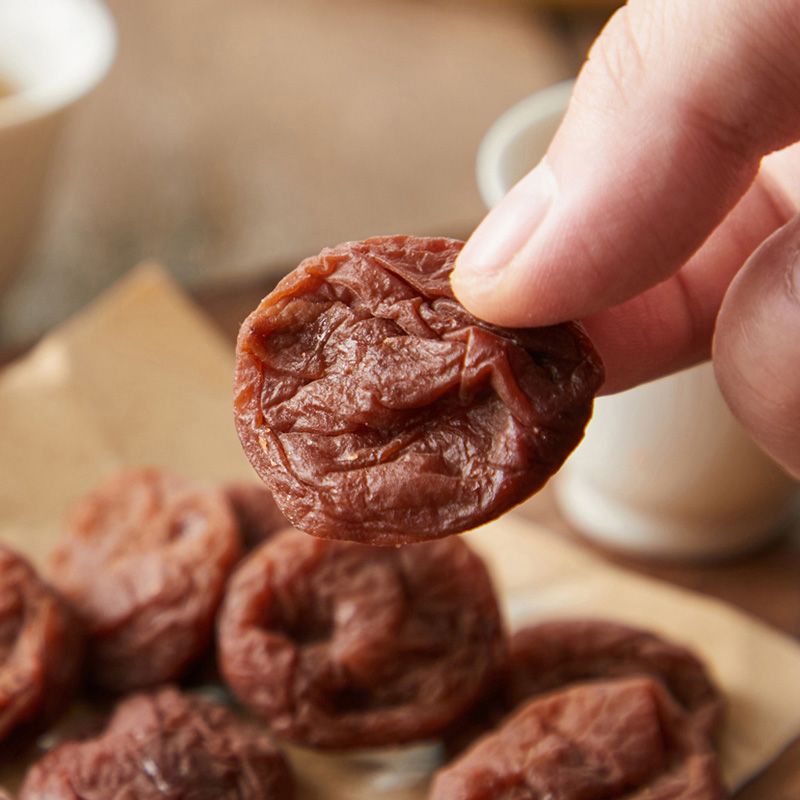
(57,91)
(546,104)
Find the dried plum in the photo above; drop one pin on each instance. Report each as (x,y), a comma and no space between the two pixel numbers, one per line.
(487,713)
(595,741)
(558,652)
(340,645)
(41,649)
(144,559)
(164,745)
(377,409)
(256,512)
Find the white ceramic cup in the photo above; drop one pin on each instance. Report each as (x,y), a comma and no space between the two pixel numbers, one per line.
(52,52)
(665,470)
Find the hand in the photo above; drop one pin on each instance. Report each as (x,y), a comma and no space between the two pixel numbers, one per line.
(643,218)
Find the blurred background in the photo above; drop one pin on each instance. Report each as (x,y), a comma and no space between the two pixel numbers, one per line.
(232,138)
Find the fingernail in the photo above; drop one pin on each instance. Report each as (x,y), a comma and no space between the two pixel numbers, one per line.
(508,227)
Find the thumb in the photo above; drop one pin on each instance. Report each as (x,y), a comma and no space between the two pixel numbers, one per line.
(757,346)
(669,119)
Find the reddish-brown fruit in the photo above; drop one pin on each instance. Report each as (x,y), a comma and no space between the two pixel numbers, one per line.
(41,649)
(559,652)
(144,560)
(256,512)
(164,745)
(595,741)
(340,645)
(378,409)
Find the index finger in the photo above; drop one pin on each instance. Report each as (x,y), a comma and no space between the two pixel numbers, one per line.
(669,120)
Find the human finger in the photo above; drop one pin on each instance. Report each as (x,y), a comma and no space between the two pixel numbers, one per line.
(757,346)
(670,326)
(669,119)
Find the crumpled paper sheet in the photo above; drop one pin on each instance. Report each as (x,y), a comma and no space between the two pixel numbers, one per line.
(142,377)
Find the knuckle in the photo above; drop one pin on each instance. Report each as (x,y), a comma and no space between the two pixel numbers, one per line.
(617,54)
(726,71)
(742,93)
(629,46)
(736,140)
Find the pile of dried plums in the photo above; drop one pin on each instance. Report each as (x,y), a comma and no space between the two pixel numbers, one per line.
(378,411)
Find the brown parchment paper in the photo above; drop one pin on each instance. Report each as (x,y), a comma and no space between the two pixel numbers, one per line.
(142,377)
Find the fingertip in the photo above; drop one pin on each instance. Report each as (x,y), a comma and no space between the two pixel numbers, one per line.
(516,296)
(476,292)
(757,346)
(486,277)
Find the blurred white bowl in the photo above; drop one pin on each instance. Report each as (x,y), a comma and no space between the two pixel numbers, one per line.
(518,139)
(665,470)
(52,52)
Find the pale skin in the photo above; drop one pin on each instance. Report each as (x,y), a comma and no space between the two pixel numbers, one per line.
(665,214)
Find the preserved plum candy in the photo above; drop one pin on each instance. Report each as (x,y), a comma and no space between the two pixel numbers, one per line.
(378,409)
(41,649)
(144,560)
(559,652)
(164,745)
(595,741)
(256,512)
(340,645)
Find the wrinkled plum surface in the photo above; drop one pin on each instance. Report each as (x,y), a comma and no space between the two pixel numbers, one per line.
(378,409)
(341,645)
(41,649)
(595,741)
(555,653)
(164,745)
(144,559)
(256,512)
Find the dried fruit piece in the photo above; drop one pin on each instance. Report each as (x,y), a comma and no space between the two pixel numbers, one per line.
(144,559)
(341,645)
(487,713)
(559,652)
(377,409)
(256,512)
(596,741)
(41,648)
(164,745)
